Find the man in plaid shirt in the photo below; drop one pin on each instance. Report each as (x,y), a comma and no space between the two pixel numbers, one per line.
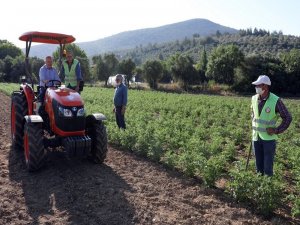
(266,108)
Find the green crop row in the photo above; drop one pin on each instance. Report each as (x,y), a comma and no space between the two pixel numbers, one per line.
(203,136)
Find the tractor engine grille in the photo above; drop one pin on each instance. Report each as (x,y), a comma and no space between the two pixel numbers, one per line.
(68,124)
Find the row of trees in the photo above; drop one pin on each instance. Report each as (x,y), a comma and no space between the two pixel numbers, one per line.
(224,64)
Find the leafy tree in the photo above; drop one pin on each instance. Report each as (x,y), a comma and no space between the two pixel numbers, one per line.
(222,62)
(8,64)
(291,63)
(291,60)
(127,67)
(183,70)
(85,68)
(112,64)
(101,69)
(18,70)
(152,71)
(9,49)
(105,66)
(36,64)
(80,55)
(256,65)
(202,65)
(166,73)
(2,74)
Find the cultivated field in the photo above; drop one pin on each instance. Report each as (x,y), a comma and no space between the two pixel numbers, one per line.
(207,138)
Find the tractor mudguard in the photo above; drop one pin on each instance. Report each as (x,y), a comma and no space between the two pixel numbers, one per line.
(91,119)
(29,94)
(33,119)
(99,116)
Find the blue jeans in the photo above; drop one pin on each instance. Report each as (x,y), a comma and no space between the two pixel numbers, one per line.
(120,118)
(264,156)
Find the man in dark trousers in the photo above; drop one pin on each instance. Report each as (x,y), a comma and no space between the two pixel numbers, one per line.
(120,101)
(266,108)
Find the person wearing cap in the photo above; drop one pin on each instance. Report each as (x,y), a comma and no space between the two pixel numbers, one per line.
(71,71)
(120,101)
(266,108)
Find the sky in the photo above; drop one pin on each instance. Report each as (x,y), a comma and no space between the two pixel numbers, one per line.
(89,20)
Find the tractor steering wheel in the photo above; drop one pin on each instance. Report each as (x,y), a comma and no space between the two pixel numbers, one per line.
(55,83)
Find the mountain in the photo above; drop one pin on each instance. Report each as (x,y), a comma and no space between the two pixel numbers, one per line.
(131,39)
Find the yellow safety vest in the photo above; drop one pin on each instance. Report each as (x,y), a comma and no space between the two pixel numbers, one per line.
(267,118)
(70,75)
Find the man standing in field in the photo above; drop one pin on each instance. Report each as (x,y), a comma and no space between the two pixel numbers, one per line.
(266,108)
(120,101)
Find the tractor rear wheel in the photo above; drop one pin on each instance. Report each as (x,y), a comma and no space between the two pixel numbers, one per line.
(17,113)
(34,146)
(97,132)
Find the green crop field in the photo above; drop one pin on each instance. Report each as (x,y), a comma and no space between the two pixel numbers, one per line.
(206,137)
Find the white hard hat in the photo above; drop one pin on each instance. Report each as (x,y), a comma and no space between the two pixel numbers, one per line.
(262,79)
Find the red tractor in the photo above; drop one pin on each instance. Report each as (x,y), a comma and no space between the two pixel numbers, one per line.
(61,124)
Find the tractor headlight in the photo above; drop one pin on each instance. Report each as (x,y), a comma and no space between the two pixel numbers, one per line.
(81,112)
(65,112)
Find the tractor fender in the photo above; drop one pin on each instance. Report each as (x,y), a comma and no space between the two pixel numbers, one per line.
(33,119)
(98,116)
(90,119)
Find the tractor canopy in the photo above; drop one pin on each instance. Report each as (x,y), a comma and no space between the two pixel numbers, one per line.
(47,37)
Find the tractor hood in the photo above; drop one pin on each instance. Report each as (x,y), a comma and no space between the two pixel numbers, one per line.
(64,96)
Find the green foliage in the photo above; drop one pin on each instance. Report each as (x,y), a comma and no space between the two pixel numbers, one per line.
(152,71)
(222,62)
(105,66)
(9,49)
(36,64)
(291,63)
(265,192)
(202,64)
(80,55)
(182,69)
(127,66)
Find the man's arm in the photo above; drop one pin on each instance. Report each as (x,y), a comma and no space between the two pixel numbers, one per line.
(124,102)
(124,96)
(78,72)
(78,76)
(62,73)
(43,79)
(285,116)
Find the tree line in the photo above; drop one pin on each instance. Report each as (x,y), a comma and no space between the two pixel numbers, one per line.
(223,64)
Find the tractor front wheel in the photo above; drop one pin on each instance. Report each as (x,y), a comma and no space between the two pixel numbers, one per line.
(34,146)
(97,132)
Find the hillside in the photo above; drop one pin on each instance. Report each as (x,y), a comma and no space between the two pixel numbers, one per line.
(142,37)
(263,44)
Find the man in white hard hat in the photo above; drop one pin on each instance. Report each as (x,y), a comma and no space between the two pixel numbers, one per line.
(266,108)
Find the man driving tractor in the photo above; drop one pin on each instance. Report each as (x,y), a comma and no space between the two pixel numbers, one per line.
(46,74)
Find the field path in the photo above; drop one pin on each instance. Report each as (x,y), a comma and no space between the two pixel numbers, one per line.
(125,190)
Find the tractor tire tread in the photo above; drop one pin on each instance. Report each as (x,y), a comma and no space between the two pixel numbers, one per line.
(37,154)
(19,100)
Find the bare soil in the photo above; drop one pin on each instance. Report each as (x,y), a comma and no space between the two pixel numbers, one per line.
(126,189)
